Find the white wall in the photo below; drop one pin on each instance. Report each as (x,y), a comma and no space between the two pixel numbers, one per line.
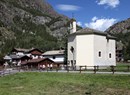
(106,47)
(73,27)
(58,58)
(87,49)
(28,54)
(34,56)
(71,43)
(111,47)
(100,46)
(20,53)
(84,50)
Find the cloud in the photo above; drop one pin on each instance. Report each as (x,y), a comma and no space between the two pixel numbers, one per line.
(94,18)
(79,23)
(111,3)
(64,7)
(101,24)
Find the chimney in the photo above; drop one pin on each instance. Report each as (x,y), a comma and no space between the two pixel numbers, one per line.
(72,26)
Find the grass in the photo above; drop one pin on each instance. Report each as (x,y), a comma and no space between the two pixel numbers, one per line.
(64,84)
(122,67)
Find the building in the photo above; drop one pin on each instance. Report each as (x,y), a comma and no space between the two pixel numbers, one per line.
(19,51)
(36,63)
(7,58)
(119,52)
(18,55)
(90,47)
(16,59)
(34,53)
(55,55)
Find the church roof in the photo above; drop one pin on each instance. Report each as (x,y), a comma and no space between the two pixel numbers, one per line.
(71,20)
(88,31)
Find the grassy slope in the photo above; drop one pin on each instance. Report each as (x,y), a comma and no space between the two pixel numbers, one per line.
(64,84)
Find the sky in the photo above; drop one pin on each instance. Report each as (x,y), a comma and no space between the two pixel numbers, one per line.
(96,14)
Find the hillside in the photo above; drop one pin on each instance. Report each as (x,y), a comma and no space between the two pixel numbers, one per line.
(30,23)
(121,30)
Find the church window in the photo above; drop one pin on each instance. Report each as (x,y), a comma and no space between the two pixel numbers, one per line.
(109,55)
(99,53)
(72,49)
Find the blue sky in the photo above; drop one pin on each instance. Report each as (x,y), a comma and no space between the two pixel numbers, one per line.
(97,14)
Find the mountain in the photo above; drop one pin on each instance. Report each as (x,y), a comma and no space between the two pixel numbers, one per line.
(30,23)
(120,27)
(121,30)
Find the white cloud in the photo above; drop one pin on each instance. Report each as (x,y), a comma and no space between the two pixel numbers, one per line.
(79,23)
(111,3)
(101,24)
(64,7)
(94,18)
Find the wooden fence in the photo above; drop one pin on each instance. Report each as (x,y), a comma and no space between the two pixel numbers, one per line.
(112,69)
(81,69)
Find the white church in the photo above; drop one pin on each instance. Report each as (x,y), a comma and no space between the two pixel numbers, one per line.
(89,47)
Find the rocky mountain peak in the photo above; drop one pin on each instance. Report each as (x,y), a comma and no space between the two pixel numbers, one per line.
(121,30)
(32,23)
(120,27)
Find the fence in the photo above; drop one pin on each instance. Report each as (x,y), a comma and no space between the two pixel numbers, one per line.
(112,69)
(6,72)
(81,69)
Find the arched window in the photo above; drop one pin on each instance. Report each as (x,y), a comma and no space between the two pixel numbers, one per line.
(99,54)
(109,55)
(72,49)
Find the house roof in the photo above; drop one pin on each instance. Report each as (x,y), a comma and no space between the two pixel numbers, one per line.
(7,57)
(36,61)
(88,31)
(35,51)
(14,56)
(54,52)
(26,50)
(20,50)
(25,56)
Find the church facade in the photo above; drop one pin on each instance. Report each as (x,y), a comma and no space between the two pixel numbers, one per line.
(89,47)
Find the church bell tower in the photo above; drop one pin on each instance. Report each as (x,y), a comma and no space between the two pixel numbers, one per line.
(72,26)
